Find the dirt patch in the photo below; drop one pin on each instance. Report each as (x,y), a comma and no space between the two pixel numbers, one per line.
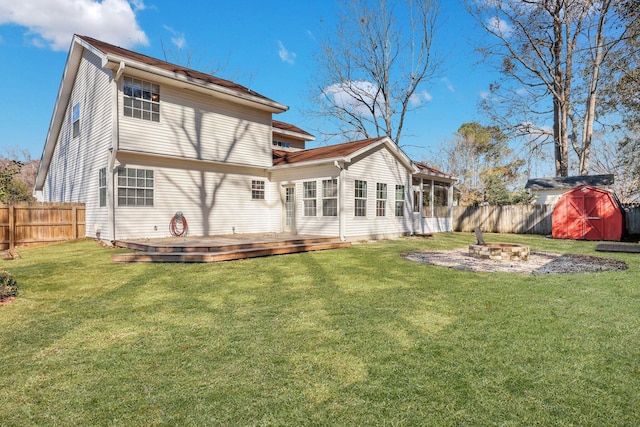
(539,262)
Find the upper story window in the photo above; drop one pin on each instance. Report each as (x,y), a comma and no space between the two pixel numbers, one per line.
(75,119)
(281,144)
(141,99)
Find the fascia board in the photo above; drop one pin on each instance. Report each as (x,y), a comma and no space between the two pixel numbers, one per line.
(295,135)
(308,164)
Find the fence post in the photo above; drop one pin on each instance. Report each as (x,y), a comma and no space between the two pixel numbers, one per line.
(74,220)
(12,228)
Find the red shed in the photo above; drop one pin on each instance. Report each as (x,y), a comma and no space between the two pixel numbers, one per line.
(588,213)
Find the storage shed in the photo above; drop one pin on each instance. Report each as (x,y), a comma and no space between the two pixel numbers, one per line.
(588,213)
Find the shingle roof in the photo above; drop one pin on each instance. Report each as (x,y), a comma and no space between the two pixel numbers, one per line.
(332,151)
(570,182)
(154,62)
(289,127)
(428,170)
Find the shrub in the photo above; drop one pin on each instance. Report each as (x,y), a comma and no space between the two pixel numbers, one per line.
(8,286)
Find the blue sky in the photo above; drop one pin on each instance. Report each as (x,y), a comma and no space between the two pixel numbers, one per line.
(268,46)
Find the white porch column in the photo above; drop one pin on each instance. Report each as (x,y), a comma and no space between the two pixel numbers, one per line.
(450,201)
(431,191)
(421,198)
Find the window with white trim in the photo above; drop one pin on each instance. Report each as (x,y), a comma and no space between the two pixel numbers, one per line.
(257,190)
(135,187)
(399,200)
(102,186)
(141,99)
(309,198)
(75,119)
(381,199)
(360,198)
(330,197)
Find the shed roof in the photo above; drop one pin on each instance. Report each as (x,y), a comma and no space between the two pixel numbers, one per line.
(570,182)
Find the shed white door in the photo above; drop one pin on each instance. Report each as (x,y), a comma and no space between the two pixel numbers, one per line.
(289,209)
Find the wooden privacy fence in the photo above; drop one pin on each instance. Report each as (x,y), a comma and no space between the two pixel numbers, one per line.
(28,224)
(518,219)
(524,219)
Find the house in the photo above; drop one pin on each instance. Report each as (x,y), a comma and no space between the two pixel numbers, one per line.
(549,190)
(138,139)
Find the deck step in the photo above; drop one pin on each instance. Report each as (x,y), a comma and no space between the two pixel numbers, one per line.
(172,248)
(227,255)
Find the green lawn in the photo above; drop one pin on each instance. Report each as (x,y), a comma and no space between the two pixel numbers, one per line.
(356,336)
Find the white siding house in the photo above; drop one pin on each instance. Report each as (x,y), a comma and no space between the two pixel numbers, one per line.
(138,139)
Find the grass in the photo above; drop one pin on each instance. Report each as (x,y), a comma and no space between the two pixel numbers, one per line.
(354,336)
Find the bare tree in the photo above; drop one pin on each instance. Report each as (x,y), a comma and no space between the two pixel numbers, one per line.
(551,54)
(373,69)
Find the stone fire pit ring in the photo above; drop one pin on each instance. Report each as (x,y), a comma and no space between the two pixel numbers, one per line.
(500,251)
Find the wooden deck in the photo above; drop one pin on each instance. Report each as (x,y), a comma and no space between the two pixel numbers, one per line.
(221,248)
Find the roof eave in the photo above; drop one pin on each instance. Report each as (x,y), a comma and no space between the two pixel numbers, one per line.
(296,135)
(113,62)
(308,163)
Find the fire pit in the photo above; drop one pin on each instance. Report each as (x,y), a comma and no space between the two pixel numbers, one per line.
(500,251)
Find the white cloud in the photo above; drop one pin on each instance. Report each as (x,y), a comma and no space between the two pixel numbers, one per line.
(499,26)
(285,55)
(419,98)
(448,84)
(52,23)
(356,96)
(178,39)
(484,94)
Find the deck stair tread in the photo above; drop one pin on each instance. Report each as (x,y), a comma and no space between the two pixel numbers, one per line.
(230,252)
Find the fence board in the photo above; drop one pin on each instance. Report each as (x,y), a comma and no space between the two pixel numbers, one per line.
(28,224)
(518,219)
(523,219)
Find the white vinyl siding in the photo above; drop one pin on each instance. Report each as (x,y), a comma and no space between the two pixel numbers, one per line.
(313,225)
(197,126)
(76,161)
(378,166)
(213,201)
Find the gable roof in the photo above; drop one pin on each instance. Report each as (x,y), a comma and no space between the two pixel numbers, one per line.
(291,130)
(570,182)
(344,152)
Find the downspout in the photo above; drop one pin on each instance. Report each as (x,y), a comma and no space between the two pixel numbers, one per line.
(341,198)
(115,145)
